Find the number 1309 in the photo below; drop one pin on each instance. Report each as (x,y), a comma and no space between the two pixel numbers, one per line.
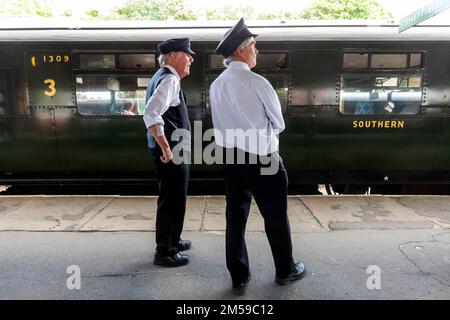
(57,58)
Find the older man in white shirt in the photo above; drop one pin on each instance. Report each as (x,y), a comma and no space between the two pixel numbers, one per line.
(247,117)
(166,113)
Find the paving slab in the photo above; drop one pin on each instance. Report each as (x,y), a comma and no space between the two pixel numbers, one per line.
(300,217)
(125,213)
(433,208)
(215,215)
(195,210)
(364,212)
(8,205)
(49,213)
(139,214)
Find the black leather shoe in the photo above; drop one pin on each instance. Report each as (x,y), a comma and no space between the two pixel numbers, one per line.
(171,261)
(298,273)
(241,288)
(184,245)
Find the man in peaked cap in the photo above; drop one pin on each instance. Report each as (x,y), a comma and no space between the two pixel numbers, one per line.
(166,113)
(243,101)
(233,38)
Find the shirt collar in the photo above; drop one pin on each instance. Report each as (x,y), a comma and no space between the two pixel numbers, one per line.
(172,70)
(239,65)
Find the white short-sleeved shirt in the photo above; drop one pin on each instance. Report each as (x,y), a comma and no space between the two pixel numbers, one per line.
(246,105)
(166,95)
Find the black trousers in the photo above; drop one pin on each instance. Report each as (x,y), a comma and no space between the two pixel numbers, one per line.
(242,181)
(173,184)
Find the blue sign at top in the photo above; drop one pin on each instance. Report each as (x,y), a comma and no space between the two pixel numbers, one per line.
(423,14)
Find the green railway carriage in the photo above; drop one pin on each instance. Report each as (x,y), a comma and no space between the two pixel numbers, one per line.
(363,104)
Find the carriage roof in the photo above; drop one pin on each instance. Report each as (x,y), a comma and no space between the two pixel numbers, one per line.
(88,31)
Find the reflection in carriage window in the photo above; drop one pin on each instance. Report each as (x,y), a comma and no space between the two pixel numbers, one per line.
(380,95)
(355,61)
(97,61)
(389,60)
(137,60)
(111,94)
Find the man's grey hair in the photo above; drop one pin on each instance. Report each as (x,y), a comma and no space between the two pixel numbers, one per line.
(162,59)
(243,45)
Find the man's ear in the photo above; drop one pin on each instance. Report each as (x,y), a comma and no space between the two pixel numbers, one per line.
(239,52)
(173,55)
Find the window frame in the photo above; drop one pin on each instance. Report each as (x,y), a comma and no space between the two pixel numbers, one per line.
(76,59)
(130,72)
(256,68)
(376,72)
(208,71)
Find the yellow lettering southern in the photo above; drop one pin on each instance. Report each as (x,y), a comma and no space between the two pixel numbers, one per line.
(394,124)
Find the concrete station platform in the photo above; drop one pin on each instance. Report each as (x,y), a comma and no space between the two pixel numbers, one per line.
(206,213)
(110,239)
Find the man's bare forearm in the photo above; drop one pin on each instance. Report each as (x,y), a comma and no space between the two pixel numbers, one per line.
(161,140)
(163,144)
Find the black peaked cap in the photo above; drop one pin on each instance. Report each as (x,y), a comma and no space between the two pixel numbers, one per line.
(233,38)
(176,44)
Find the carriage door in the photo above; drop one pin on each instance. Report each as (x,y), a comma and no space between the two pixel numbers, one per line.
(380,133)
(27,141)
(8,125)
(50,92)
(438,100)
(383,92)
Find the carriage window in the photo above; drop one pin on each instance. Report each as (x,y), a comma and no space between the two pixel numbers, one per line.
(133,60)
(273,61)
(97,61)
(381,60)
(384,61)
(356,60)
(380,95)
(111,94)
(278,81)
(216,61)
(415,60)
